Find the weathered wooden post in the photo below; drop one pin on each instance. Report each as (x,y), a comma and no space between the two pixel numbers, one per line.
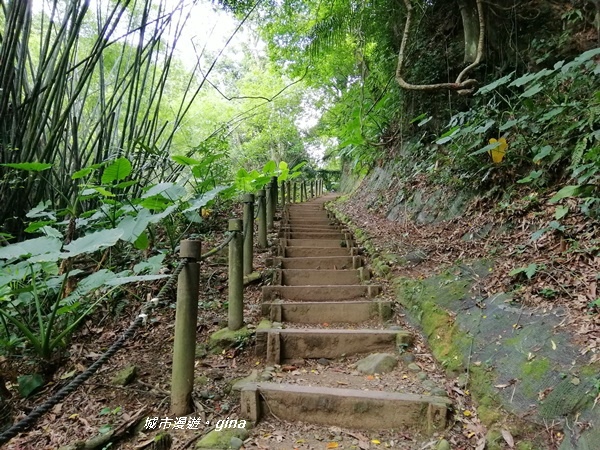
(295,196)
(304,187)
(269,207)
(302,191)
(312,188)
(184,346)
(288,188)
(282,196)
(262,219)
(248,233)
(236,276)
(274,194)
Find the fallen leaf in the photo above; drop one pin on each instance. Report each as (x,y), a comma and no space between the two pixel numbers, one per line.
(332,445)
(68,374)
(553,344)
(467,413)
(376,441)
(508,438)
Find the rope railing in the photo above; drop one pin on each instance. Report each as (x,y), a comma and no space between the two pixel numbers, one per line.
(67,390)
(28,422)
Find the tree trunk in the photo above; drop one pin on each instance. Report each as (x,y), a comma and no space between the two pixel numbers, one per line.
(470,20)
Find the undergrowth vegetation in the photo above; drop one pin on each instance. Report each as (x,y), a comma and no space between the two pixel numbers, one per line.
(78,257)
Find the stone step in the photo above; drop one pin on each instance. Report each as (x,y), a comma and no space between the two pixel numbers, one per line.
(301,216)
(322,222)
(302,252)
(301,229)
(324,262)
(347,408)
(334,234)
(319,293)
(315,243)
(281,344)
(327,312)
(307,277)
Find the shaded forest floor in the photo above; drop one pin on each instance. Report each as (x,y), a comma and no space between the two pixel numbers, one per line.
(542,262)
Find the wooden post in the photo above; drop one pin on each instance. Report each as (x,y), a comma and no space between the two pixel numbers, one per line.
(184,346)
(248,233)
(282,196)
(295,196)
(269,207)
(236,276)
(312,188)
(274,194)
(262,219)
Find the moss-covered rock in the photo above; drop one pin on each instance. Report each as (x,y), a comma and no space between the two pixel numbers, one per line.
(125,376)
(226,338)
(221,438)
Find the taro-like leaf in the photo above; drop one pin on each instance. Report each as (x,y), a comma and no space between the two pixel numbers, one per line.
(29,384)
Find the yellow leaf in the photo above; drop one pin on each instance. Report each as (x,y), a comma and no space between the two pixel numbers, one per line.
(467,413)
(376,441)
(553,344)
(498,153)
(74,416)
(332,445)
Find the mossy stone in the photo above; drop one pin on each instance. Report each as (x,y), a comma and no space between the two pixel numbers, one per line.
(226,338)
(124,376)
(264,324)
(443,445)
(222,440)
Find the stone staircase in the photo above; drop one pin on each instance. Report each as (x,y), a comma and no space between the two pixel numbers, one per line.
(323,306)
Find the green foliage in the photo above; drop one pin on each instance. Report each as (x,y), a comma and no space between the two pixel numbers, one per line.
(550,120)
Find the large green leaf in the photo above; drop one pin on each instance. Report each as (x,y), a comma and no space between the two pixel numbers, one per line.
(33,247)
(29,384)
(184,160)
(29,166)
(134,226)
(170,191)
(270,167)
(203,200)
(94,241)
(499,82)
(118,281)
(118,170)
(567,191)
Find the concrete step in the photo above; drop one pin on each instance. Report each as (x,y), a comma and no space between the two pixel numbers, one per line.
(333,235)
(327,312)
(281,344)
(323,262)
(302,252)
(301,229)
(321,222)
(307,277)
(319,293)
(315,242)
(347,408)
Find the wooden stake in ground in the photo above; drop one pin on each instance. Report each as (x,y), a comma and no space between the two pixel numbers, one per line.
(236,276)
(248,233)
(184,347)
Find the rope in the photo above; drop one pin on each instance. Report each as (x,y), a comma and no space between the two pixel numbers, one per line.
(67,390)
(29,421)
(218,248)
